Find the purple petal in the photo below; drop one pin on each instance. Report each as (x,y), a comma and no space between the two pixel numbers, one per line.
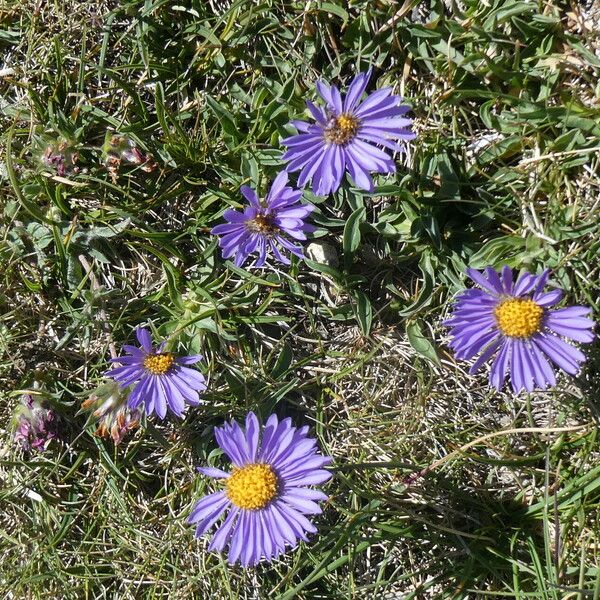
(238,538)
(541,282)
(308,507)
(494,279)
(474,345)
(289,246)
(356,90)
(277,254)
(336,99)
(223,533)
(322,176)
(306,493)
(250,195)
(305,467)
(314,478)
(213,472)
(299,449)
(252,435)
(579,334)
(516,367)
(228,445)
(175,398)
(571,312)
(248,550)
(240,440)
(270,428)
(524,284)
(134,350)
(144,338)
(207,522)
(301,142)
(230,241)
(546,369)
(234,216)
(317,113)
(228,228)
(325,92)
(262,252)
(288,532)
(206,506)
(554,348)
(500,366)
(507,279)
(189,360)
(478,278)
(489,352)
(359,174)
(268,542)
(549,299)
(526,366)
(388,107)
(312,166)
(191,396)
(296,212)
(295,517)
(277,186)
(280,444)
(128,372)
(191,377)
(389,124)
(370,157)
(302,126)
(277,538)
(160,397)
(372,102)
(532,355)
(138,393)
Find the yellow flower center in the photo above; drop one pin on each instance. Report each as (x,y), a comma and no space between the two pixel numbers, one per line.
(159,364)
(262,224)
(343,129)
(252,487)
(519,317)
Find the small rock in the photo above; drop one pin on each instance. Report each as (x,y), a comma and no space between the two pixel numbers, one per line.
(323,253)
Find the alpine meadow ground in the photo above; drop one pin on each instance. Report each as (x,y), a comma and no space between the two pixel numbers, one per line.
(127,132)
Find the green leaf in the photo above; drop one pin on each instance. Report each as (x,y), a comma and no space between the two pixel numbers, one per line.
(420,342)
(334,9)
(363,311)
(284,360)
(499,251)
(425,295)
(351,239)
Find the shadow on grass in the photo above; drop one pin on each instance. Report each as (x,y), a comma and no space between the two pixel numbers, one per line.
(590,380)
(497,545)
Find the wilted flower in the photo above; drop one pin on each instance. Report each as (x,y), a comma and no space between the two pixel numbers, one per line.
(119,148)
(514,323)
(61,156)
(267,225)
(265,495)
(35,425)
(159,379)
(115,418)
(348,134)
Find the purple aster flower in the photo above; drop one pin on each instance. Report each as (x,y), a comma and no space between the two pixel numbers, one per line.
(348,134)
(161,379)
(265,225)
(36,425)
(513,322)
(265,497)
